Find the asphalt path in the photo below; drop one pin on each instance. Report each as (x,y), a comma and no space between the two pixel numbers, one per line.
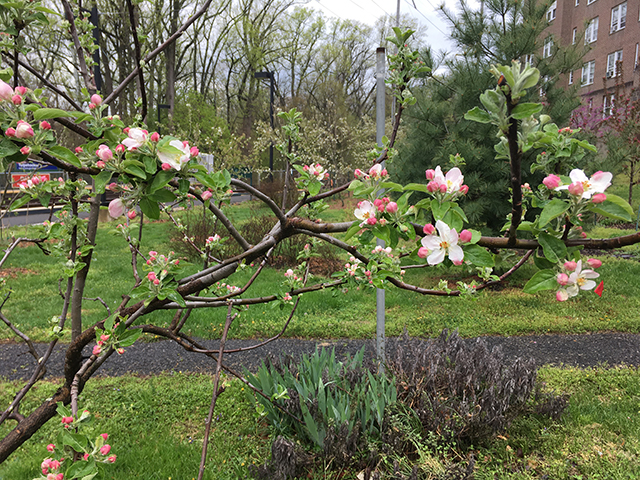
(151,358)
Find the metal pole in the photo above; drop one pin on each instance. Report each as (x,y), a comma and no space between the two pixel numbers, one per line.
(271,115)
(380,114)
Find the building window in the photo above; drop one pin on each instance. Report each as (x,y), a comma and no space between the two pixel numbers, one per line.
(528,59)
(543,85)
(636,59)
(551,13)
(588,72)
(607,105)
(618,17)
(573,38)
(577,2)
(570,78)
(589,2)
(591,33)
(612,64)
(548,45)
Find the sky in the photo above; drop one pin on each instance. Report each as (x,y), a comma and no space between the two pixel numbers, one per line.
(426,12)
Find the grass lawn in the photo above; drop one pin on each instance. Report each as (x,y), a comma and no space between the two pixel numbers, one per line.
(330,313)
(156,427)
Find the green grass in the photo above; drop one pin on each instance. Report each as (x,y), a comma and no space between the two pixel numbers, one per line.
(156,429)
(332,314)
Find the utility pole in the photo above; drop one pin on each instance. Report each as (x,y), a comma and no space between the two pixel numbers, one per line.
(380,121)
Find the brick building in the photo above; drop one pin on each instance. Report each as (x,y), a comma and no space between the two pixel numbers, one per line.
(611,28)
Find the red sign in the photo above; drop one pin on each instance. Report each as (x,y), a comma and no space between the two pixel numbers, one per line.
(17,178)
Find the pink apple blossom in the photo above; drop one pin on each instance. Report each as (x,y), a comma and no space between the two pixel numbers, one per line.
(452,181)
(24,130)
(570,266)
(105,449)
(365,211)
(392,207)
(598,183)
(51,447)
(552,181)
(206,195)
(16,100)
(175,153)
(581,280)
(111,459)
(104,153)
(594,263)
(11,132)
(445,243)
(131,214)
(25,150)
(6,92)
(44,125)
(96,99)
(430,174)
(599,197)
(97,350)
(116,208)
(137,137)
(428,229)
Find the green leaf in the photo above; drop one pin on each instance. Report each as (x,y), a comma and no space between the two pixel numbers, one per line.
(613,207)
(65,154)
(552,210)
(150,164)
(183,185)
(314,187)
(150,208)
(391,186)
(20,202)
(81,469)
(101,180)
(542,263)
(525,110)
(478,256)
(44,199)
(477,115)
(353,229)
(129,337)
(48,113)
(163,195)
(439,210)
(7,147)
(542,280)
(160,180)
(553,248)
(417,187)
(75,440)
(135,170)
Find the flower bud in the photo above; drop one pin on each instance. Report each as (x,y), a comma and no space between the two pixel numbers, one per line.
(105,449)
(428,229)
(6,92)
(17,100)
(594,263)
(79,150)
(154,137)
(131,214)
(562,295)
(24,130)
(599,197)
(96,99)
(100,164)
(464,189)
(111,459)
(562,278)
(25,150)
(44,125)
(206,195)
(570,266)
(166,166)
(465,236)
(51,447)
(120,149)
(392,207)
(576,189)
(21,90)
(11,132)
(97,350)
(372,221)
(423,252)
(194,151)
(552,182)
(431,173)
(443,188)
(433,186)
(92,106)
(104,153)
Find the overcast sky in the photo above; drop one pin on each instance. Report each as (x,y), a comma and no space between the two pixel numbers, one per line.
(368,11)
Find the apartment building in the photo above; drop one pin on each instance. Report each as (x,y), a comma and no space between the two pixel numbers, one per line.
(611,28)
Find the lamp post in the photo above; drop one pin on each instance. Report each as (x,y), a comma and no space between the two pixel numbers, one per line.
(269,75)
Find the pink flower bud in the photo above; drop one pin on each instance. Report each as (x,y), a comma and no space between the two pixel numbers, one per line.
(431,173)
(423,252)
(464,189)
(151,276)
(79,150)
(465,236)
(104,338)
(6,92)
(443,188)
(131,214)
(60,476)
(562,295)
(44,125)
(120,148)
(25,150)
(96,99)
(116,208)
(433,186)
(552,181)
(156,282)
(154,137)
(67,420)
(428,229)
(51,447)
(21,90)
(594,263)
(392,207)
(104,153)
(105,449)
(97,350)
(85,457)
(194,151)
(570,266)
(166,166)
(17,100)
(576,189)
(11,132)
(358,173)
(206,195)
(92,106)
(111,459)
(126,130)
(100,164)
(120,351)
(599,197)
(377,202)
(24,130)
(372,221)
(384,173)
(562,278)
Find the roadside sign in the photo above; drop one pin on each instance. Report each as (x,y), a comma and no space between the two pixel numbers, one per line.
(16,178)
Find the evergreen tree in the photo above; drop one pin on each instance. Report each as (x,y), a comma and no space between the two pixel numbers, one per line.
(499,32)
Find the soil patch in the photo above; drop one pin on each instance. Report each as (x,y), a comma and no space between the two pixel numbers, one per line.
(13,272)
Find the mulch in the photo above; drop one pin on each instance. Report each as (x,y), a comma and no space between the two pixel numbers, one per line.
(143,358)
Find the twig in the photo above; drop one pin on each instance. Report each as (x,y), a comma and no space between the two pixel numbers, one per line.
(136,43)
(24,337)
(98,299)
(257,193)
(76,42)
